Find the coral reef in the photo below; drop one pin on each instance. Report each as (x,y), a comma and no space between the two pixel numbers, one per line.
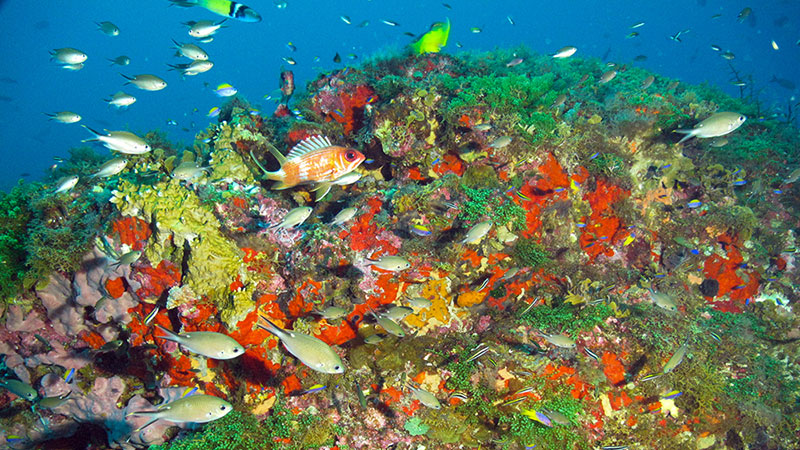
(630,290)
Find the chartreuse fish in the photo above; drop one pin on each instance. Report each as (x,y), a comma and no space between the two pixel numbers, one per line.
(206,343)
(719,124)
(311,351)
(200,408)
(20,389)
(433,40)
(227,8)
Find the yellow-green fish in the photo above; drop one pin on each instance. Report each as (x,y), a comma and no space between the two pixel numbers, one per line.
(663,300)
(227,8)
(54,401)
(294,217)
(676,358)
(111,168)
(120,100)
(391,263)
(108,28)
(344,215)
(20,389)
(203,28)
(66,183)
(433,40)
(190,51)
(146,82)
(187,170)
(477,232)
(120,141)
(207,343)
(68,55)
(719,124)
(310,350)
(565,52)
(559,340)
(199,408)
(425,397)
(64,117)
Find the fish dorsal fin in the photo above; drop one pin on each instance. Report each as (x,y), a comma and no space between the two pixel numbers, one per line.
(309,144)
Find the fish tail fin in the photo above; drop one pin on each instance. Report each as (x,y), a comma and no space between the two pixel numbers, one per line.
(689,134)
(95,133)
(170,335)
(49,115)
(183,3)
(322,190)
(271,327)
(127,78)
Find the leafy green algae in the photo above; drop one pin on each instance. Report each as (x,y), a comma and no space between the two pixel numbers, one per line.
(187,230)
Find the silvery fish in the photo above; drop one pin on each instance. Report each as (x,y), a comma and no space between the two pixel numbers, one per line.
(20,389)
(206,343)
(120,100)
(719,124)
(200,408)
(559,340)
(188,170)
(344,215)
(477,232)
(54,401)
(66,183)
(68,55)
(64,117)
(111,168)
(425,397)
(419,302)
(565,52)
(146,82)
(676,358)
(500,142)
(663,300)
(108,28)
(190,51)
(294,217)
(310,350)
(398,312)
(120,141)
(333,312)
(203,28)
(391,263)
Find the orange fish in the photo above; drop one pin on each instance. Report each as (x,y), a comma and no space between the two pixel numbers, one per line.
(314,160)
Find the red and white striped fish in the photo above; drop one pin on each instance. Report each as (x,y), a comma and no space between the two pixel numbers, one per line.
(314,160)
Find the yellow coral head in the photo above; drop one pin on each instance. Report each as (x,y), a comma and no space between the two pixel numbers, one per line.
(433,40)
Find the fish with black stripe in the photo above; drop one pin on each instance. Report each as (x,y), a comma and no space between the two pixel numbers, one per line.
(227,8)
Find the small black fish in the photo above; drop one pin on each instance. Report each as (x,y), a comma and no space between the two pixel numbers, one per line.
(336,58)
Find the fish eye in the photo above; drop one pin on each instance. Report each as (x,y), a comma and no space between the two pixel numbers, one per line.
(350,155)
(337,368)
(236,350)
(223,408)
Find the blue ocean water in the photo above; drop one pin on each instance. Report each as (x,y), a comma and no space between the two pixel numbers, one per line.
(250,56)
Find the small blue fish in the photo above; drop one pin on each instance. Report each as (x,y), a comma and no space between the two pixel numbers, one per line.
(694,204)
(523,196)
(777,191)
(420,230)
(740,182)
(580,224)
(560,189)
(189,391)
(736,171)
(537,416)
(14,438)
(672,394)
(715,336)
(314,388)
(338,112)
(371,99)
(68,375)
(603,238)
(694,251)
(225,90)
(667,166)
(589,245)
(435,161)
(369,161)
(595,155)
(660,275)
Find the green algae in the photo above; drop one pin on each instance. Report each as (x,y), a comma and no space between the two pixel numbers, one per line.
(189,231)
(566,318)
(415,427)
(529,253)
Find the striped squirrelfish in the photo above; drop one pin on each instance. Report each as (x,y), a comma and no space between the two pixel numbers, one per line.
(314,160)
